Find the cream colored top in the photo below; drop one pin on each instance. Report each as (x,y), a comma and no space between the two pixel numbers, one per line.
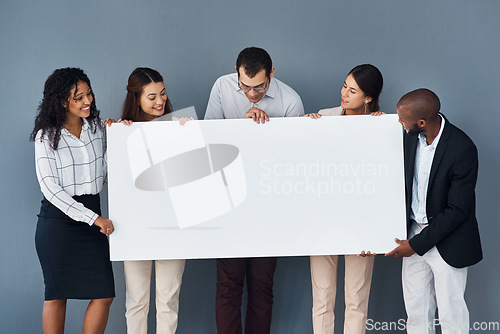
(331,111)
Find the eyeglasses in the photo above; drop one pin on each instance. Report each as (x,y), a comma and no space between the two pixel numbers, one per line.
(257,89)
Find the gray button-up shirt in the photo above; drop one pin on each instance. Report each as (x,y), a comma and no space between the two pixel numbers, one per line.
(229,101)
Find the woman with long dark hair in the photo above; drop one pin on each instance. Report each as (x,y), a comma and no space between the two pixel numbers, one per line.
(360,94)
(71,236)
(147,100)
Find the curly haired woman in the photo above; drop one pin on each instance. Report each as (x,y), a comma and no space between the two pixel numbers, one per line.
(71,236)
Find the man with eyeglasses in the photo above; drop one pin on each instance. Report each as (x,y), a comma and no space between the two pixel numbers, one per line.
(251,92)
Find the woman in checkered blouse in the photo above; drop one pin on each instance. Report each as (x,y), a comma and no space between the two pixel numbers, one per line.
(71,236)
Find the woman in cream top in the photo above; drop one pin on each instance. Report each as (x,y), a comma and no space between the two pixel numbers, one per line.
(360,94)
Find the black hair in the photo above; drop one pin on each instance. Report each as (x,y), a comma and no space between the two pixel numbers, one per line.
(423,103)
(54,105)
(370,81)
(254,60)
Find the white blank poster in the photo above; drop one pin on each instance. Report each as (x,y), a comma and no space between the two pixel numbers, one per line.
(234,188)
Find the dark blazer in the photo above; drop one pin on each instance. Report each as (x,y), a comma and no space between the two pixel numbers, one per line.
(451,199)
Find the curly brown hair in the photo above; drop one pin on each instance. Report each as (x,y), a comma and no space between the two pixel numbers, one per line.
(52,110)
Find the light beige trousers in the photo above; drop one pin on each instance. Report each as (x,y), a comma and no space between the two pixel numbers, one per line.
(168,286)
(358,277)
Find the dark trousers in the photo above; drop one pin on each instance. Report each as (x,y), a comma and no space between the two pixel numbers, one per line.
(230,280)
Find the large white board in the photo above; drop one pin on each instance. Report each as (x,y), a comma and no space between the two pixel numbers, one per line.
(234,188)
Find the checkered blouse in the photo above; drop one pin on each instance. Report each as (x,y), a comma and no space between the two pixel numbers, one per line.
(77,167)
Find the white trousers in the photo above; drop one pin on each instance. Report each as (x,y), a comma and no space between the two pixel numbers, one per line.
(168,286)
(358,277)
(430,283)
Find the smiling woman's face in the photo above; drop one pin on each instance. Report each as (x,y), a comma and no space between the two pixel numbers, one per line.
(153,99)
(79,103)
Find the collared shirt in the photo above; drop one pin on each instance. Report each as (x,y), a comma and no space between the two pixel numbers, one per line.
(423,163)
(227,100)
(77,167)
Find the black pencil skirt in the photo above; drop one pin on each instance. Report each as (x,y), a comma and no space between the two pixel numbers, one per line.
(74,256)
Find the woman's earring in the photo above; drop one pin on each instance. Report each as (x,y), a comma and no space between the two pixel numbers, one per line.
(366,105)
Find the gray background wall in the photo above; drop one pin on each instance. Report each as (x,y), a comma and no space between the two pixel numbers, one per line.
(449,46)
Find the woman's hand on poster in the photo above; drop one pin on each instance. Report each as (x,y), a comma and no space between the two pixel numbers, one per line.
(184,120)
(313,115)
